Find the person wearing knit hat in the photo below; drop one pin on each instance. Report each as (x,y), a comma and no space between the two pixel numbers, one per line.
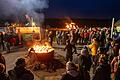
(85,63)
(71,72)
(84,60)
(70,66)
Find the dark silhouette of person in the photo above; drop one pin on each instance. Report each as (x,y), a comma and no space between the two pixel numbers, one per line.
(2,60)
(71,72)
(20,72)
(2,41)
(3,75)
(69,47)
(51,37)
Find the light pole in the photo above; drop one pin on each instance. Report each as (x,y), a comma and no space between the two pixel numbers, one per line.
(112,27)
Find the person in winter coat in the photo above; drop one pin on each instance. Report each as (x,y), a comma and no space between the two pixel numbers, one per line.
(115,67)
(101,51)
(85,61)
(108,44)
(94,47)
(115,34)
(103,71)
(117,74)
(71,72)
(69,47)
(20,72)
(51,36)
(116,49)
(86,37)
(2,60)
(102,38)
(2,41)
(7,43)
(3,75)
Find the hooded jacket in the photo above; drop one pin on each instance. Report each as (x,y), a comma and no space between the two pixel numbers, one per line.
(94,48)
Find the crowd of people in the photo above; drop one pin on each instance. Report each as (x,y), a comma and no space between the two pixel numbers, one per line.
(83,35)
(19,72)
(8,39)
(100,55)
(99,58)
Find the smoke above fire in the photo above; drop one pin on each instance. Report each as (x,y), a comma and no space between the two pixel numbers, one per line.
(17,9)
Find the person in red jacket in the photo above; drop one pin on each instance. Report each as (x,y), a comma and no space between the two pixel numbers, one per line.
(13,41)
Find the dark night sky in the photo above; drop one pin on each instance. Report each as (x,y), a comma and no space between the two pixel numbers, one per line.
(103,9)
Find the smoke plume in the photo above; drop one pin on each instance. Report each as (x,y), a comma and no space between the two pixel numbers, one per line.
(17,9)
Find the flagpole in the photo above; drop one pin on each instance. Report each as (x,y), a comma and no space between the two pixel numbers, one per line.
(112,27)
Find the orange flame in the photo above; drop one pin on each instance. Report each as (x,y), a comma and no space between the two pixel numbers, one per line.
(42,48)
(71,25)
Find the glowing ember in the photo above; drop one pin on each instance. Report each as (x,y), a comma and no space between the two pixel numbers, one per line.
(42,48)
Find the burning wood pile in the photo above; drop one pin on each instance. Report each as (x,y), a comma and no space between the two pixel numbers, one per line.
(42,50)
(42,47)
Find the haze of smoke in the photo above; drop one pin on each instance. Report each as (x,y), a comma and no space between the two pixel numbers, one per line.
(16,9)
